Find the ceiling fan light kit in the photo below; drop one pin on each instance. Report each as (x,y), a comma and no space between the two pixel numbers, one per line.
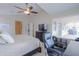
(26,12)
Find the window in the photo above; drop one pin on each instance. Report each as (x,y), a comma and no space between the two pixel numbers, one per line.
(54,28)
(71,29)
(59,29)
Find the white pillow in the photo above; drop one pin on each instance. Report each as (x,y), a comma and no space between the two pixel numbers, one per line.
(2,41)
(7,37)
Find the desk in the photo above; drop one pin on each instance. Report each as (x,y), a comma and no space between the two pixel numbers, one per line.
(68,38)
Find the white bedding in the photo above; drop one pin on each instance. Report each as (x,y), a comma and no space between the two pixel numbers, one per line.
(23,44)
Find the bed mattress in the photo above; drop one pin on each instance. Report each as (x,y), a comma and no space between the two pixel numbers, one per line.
(23,44)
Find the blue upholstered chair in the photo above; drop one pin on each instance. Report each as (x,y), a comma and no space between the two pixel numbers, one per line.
(52,50)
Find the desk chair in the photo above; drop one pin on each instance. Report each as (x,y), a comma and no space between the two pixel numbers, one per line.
(52,50)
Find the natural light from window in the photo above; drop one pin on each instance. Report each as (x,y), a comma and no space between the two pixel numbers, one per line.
(71,29)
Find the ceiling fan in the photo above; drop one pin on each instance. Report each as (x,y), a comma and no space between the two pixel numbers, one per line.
(28,10)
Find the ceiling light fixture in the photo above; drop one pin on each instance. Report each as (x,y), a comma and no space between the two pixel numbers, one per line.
(26,12)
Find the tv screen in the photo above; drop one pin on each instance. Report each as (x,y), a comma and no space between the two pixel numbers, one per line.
(42,27)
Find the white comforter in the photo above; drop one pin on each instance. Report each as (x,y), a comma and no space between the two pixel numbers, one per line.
(23,44)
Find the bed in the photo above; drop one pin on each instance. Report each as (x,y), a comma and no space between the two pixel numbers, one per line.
(24,45)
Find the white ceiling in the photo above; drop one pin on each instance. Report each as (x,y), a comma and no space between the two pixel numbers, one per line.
(9,9)
(60,9)
(53,9)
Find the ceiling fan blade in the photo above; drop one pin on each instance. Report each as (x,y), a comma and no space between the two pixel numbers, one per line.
(34,12)
(19,11)
(19,8)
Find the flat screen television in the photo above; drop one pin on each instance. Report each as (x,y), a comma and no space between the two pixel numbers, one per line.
(43,27)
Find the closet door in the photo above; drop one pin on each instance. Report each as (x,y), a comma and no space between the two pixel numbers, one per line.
(18,27)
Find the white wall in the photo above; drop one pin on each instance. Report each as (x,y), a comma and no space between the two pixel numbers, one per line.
(74,18)
(10,19)
(41,18)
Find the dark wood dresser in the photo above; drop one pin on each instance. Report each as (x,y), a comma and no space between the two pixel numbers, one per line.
(39,35)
